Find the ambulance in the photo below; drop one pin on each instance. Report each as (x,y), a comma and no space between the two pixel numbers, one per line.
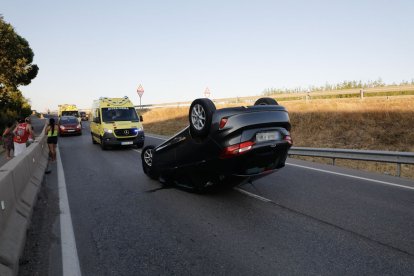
(68,110)
(115,122)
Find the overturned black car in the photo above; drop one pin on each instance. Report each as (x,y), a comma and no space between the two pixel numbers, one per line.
(222,147)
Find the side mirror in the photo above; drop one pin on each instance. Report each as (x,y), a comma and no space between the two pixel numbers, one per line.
(97,120)
(140,118)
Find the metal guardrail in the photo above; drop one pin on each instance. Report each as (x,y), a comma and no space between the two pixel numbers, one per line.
(291,96)
(364,155)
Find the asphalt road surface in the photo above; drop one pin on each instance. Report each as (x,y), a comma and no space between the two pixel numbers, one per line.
(306,219)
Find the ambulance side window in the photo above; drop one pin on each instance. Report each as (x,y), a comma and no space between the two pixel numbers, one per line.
(96,116)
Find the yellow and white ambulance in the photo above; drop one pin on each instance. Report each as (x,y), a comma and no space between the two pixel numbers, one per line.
(68,110)
(115,122)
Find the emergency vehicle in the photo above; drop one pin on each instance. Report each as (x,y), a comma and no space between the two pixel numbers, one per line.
(115,122)
(68,110)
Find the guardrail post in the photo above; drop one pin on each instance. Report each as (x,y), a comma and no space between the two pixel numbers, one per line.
(308,97)
(399,169)
(333,161)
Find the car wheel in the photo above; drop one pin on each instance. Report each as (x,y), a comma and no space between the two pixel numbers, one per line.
(139,145)
(93,140)
(266,101)
(147,165)
(103,145)
(200,116)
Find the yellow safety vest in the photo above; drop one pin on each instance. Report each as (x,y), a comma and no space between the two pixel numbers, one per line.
(55,133)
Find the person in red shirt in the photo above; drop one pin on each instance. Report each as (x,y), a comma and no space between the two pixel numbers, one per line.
(22,132)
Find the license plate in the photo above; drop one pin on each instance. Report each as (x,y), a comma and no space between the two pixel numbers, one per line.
(268,136)
(71,130)
(127,143)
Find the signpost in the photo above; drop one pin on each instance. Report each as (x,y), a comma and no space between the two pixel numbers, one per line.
(140,91)
(207,93)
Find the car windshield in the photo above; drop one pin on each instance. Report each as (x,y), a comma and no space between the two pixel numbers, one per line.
(70,113)
(68,121)
(112,114)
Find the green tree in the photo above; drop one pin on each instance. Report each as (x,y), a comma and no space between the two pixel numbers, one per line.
(16,58)
(16,69)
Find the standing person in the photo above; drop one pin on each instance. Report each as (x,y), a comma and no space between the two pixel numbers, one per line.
(52,136)
(29,123)
(21,135)
(8,140)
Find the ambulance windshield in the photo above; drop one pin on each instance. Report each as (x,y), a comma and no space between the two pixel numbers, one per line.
(112,114)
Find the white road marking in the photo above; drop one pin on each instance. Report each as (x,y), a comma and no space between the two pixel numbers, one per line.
(353,176)
(252,195)
(157,137)
(139,151)
(70,260)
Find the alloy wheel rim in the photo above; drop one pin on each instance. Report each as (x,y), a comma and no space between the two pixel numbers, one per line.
(148,157)
(198,117)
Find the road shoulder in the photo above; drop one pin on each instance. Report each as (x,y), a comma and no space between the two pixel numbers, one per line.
(42,255)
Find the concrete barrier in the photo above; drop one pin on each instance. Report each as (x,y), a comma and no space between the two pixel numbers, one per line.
(20,181)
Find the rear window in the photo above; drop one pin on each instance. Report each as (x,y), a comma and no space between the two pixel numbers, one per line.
(68,121)
(70,113)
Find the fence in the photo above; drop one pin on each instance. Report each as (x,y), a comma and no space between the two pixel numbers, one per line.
(20,181)
(364,155)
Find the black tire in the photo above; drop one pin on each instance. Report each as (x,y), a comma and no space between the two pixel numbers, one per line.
(266,101)
(200,117)
(139,145)
(147,165)
(93,140)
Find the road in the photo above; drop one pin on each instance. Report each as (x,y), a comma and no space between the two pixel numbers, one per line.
(305,219)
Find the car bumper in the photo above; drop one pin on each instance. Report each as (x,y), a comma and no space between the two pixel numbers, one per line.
(110,140)
(70,132)
(256,163)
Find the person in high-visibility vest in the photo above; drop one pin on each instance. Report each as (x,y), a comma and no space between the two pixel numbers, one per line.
(52,137)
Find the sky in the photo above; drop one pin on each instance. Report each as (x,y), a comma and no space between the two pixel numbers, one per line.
(176,49)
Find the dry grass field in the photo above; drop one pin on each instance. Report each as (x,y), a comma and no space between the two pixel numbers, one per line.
(383,123)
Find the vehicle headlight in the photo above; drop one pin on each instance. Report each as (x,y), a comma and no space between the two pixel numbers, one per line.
(62,127)
(136,130)
(108,130)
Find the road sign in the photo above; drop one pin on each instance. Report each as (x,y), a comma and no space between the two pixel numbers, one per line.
(207,93)
(140,90)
